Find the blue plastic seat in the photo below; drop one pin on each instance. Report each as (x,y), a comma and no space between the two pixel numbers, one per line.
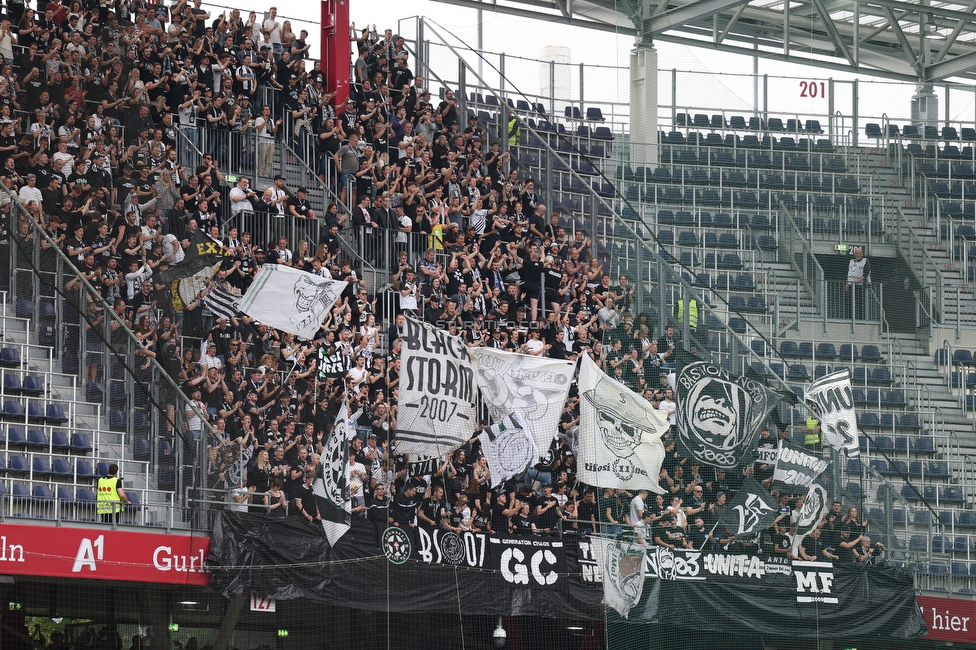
(38,439)
(12,384)
(10,358)
(16,436)
(14,410)
(61,467)
(84,471)
(41,466)
(17,464)
(141,449)
(80,442)
(55,414)
(59,440)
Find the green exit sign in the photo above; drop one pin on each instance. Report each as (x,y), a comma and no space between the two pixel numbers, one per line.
(230,178)
(173,627)
(15,607)
(282,633)
(842,248)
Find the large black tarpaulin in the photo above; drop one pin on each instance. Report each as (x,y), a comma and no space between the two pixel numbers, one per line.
(290,558)
(729,593)
(739,594)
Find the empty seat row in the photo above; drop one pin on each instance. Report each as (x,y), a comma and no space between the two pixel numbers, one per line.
(933,494)
(78,442)
(43,465)
(14,410)
(774,124)
(891,422)
(30,385)
(706,219)
(827,351)
(929,132)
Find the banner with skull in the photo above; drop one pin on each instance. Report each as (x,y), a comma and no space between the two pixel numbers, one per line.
(525,396)
(752,510)
(290,300)
(719,415)
(811,513)
(619,434)
(624,567)
(832,400)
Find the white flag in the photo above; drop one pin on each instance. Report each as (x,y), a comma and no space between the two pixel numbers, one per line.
(623,573)
(330,487)
(811,513)
(619,435)
(438,390)
(509,448)
(834,401)
(291,300)
(531,389)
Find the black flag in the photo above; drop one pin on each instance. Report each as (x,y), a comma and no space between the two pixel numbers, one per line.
(720,415)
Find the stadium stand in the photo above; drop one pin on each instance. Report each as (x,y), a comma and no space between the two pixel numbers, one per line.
(104,191)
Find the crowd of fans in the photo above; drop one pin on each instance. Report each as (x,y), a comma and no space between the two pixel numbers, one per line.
(90,102)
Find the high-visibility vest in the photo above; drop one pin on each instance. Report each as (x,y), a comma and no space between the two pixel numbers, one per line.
(107,500)
(812,436)
(692,312)
(513,132)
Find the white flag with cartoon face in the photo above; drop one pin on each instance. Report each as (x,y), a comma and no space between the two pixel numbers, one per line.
(290,300)
(619,435)
(623,573)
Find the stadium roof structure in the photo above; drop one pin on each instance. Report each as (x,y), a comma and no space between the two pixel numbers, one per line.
(925,42)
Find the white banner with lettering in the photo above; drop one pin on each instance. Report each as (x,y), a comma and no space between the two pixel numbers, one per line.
(525,396)
(834,401)
(437,412)
(620,434)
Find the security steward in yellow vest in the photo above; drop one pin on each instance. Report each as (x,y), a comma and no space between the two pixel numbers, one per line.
(811,430)
(110,496)
(513,131)
(692,313)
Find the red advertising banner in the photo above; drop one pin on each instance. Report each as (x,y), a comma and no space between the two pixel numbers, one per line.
(103,554)
(949,619)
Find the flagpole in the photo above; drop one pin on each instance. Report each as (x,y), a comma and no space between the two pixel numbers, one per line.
(707,536)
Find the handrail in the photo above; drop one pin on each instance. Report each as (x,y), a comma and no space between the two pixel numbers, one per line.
(904,233)
(92,294)
(638,237)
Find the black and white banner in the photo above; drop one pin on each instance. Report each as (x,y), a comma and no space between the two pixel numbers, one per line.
(532,390)
(811,513)
(534,562)
(720,415)
(623,573)
(509,447)
(752,510)
(834,401)
(440,546)
(619,435)
(796,469)
(290,300)
(221,302)
(438,390)
(330,487)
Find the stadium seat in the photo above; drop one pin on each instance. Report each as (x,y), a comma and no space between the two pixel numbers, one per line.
(84,471)
(37,439)
(80,442)
(141,449)
(10,358)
